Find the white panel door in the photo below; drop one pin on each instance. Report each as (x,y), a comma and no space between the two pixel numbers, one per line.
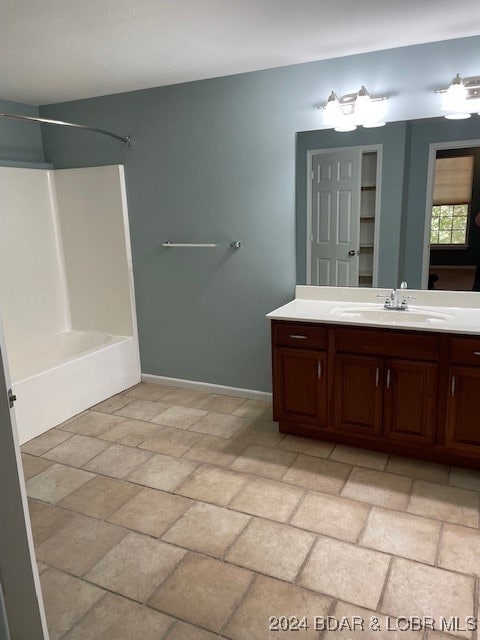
(22,616)
(335,224)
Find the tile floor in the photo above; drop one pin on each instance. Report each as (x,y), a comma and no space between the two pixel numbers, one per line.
(167,514)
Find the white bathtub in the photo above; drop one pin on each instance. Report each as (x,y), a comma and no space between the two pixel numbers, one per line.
(59,376)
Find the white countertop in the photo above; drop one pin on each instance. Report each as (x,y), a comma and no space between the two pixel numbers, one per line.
(441,311)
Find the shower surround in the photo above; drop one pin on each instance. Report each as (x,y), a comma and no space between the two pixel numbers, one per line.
(66,291)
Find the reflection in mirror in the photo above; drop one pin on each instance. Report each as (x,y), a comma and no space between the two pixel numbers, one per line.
(371,212)
(341,216)
(455,221)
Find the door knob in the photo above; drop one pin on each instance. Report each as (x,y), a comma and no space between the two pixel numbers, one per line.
(353,253)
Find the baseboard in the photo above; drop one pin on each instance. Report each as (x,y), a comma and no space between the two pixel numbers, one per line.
(219,389)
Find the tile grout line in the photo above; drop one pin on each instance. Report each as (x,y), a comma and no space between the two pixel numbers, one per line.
(296,508)
(82,617)
(165,579)
(255,573)
(384,586)
(476,606)
(330,612)
(247,476)
(173,491)
(235,540)
(252,516)
(41,455)
(171,525)
(238,604)
(299,572)
(413,478)
(438,547)
(363,528)
(347,479)
(450,468)
(195,445)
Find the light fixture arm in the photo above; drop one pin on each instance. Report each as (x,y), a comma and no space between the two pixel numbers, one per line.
(348,100)
(351,110)
(471,84)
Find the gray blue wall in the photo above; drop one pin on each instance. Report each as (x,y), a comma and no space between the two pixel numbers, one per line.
(214,161)
(20,143)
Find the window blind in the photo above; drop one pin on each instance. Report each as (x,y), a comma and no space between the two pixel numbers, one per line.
(453,180)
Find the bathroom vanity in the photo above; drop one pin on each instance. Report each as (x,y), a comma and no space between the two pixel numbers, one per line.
(405,382)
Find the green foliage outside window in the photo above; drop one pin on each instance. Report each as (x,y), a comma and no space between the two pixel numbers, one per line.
(449,224)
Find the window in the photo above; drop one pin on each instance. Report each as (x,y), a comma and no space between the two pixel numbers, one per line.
(452,194)
(449,224)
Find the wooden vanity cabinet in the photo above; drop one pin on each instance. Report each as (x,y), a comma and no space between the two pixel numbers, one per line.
(410,401)
(405,392)
(463,406)
(300,374)
(301,379)
(463,412)
(358,394)
(390,398)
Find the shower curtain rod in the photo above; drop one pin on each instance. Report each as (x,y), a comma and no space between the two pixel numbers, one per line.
(126,141)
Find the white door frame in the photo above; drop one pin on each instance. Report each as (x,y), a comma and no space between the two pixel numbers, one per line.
(378,148)
(432,155)
(20,582)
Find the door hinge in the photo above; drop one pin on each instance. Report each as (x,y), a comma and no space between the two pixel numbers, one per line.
(311,237)
(311,175)
(12,398)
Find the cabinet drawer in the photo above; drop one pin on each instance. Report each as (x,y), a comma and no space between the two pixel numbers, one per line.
(421,346)
(465,351)
(300,335)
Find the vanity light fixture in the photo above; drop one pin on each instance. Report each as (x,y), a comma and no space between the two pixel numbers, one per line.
(352,110)
(461,98)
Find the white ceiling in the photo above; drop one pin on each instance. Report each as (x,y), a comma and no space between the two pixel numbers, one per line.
(58,50)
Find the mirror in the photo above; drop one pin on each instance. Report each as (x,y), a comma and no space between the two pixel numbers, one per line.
(455,221)
(371,208)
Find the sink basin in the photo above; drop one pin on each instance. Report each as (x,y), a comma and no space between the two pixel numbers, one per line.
(374,314)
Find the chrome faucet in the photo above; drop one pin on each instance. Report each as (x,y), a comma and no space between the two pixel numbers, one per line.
(395,301)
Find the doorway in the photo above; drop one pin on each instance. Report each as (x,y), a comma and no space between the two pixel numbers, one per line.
(343,197)
(452,230)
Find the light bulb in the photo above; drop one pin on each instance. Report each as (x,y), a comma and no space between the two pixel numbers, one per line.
(333,110)
(346,123)
(376,114)
(460,115)
(362,106)
(455,100)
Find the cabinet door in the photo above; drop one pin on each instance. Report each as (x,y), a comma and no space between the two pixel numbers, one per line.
(463,421)
(300,386)
(358,394)
(410,400)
